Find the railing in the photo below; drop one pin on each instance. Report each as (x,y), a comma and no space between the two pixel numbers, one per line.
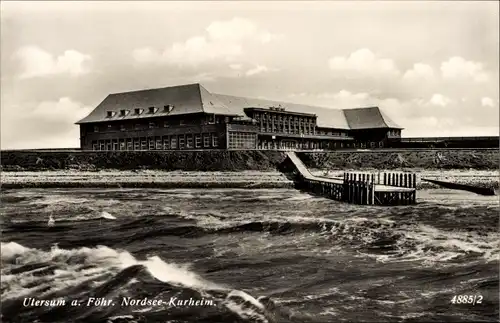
(440,139)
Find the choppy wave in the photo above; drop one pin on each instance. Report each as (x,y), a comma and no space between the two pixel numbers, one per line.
(77,274)
(314,259)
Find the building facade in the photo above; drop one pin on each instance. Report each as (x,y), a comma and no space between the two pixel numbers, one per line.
(190,117)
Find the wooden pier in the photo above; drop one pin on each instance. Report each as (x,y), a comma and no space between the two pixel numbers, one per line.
(358,188)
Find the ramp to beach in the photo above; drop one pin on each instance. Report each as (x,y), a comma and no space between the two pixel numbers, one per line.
(358,188)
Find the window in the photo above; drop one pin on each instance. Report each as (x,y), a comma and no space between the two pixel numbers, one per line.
(211,119)
(168,108)
(197,141)
(144,144)
(122,145)
(173,142)
(110,114)
(152,125)
(242,140)
(110,127)
(166,143)
(165,124)
(181,142)
(138,110)
(158,144)
(129,144)
(182,122)
(94,145)
(101,145)
(123,113)
(152,110)
(215,140)
(137,144)
(96,128)
(137,126)
(122,127)
(189,141)
(206,140)
(151,144)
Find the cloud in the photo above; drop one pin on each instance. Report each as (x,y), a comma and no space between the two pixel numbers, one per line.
(487,102)
(459,68)
(42,125)
(223,40)
(440,100)
(64,110)
(235,66)
(238,29)
(259,69)
(36,62)
(419,71)
(364,62)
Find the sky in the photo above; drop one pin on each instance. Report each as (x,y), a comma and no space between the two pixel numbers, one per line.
(433,67)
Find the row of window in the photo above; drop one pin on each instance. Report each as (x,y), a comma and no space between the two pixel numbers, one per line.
(263,144)
(284,118)
(155,124)
(138,111)
(394,133)
(159,143)
(242,140)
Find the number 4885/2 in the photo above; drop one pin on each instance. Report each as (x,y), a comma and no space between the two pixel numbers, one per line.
(467,299)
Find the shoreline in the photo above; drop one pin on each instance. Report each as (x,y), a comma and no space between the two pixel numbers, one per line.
(145,179)
(203,179)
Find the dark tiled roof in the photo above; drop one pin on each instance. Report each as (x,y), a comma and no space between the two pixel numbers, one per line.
(185,99)
(194,98)
(368,118)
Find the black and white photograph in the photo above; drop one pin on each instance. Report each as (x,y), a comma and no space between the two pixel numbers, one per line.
(249,161)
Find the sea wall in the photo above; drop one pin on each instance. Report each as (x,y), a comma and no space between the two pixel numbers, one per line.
(221,160)
(215,160)
(439,159)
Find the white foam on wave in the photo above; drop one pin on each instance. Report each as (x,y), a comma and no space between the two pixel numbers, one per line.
(11,250)
(430,245)
(80,265)
(106,215)
(253,312)
(300,197)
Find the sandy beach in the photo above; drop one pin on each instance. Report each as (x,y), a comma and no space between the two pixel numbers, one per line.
(146,178)
(194,179)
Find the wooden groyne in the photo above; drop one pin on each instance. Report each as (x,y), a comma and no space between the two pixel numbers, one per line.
(488,191)
(358,188)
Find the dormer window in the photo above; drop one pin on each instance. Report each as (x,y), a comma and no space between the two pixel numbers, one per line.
(168,108)
(110,114)
(138,110)
(152,109)
(123,113)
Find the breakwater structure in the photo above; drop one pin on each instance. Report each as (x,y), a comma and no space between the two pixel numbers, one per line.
(355,187)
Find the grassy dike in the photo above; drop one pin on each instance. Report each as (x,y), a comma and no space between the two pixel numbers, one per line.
(217,169)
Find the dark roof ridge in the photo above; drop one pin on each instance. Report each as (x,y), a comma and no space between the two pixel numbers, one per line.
(157,88)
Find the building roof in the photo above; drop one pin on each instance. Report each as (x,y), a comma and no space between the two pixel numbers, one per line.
(185,99)
(194,98)
(368,118)
(330,118)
